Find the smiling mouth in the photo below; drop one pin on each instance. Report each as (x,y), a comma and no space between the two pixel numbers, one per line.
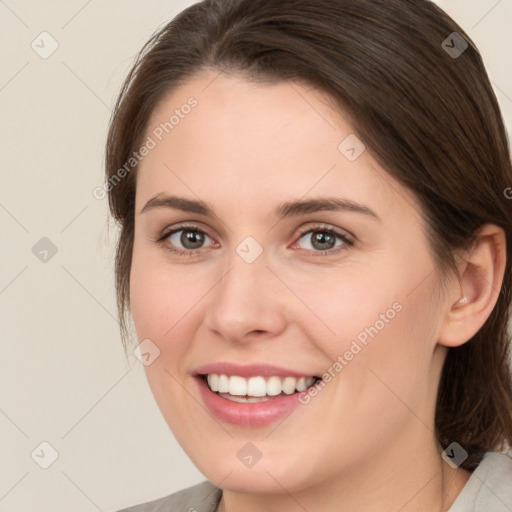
(256,389)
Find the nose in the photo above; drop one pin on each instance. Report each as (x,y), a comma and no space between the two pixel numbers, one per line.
(248,304)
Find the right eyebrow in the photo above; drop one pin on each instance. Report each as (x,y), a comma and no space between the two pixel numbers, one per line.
(178,203)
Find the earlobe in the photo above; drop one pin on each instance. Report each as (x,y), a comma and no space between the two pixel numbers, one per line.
(473,299)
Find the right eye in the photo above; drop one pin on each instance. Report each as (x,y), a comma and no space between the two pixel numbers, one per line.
(185,240)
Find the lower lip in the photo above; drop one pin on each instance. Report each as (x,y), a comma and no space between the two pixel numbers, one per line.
(255,414)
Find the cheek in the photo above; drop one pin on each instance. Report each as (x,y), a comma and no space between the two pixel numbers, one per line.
(374,322)
(160,297)
(166,308)
(342,304)
(154,306)
(391,370)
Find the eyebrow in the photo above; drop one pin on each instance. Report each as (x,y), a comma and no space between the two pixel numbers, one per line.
(288,209)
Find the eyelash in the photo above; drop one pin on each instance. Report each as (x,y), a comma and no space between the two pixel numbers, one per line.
(161,240)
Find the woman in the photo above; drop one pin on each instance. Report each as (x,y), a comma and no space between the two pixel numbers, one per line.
(316,251)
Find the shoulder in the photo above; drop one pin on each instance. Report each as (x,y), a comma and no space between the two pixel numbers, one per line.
(489,489)
(203,497)
(496,476)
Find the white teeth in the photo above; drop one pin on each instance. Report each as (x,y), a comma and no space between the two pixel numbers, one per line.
(257,386)
(274,386)
(237,386)
(301,384)
(289,384)
(213,382)
(223,384)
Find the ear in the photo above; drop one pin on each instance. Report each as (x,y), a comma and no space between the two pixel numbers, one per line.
(472,300)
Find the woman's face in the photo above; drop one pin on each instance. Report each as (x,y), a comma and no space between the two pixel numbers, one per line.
(264,290)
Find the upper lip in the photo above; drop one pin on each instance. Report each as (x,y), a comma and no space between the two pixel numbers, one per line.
(252,370)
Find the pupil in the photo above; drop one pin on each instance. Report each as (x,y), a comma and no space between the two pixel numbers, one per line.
(321,239)
(191,237)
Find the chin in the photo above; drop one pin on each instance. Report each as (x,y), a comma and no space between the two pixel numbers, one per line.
(264,477)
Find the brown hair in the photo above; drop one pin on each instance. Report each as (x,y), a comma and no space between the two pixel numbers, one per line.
(428,115)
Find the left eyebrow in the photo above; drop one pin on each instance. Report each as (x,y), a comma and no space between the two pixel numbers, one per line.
(295,208)
(288,209)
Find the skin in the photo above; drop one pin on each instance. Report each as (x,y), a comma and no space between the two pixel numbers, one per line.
(366,441)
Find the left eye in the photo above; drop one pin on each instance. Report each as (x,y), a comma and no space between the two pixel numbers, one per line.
(323,240)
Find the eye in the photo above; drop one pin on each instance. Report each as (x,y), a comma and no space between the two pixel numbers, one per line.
(185,240)
(324,240)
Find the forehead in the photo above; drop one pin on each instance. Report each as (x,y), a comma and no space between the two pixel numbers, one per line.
(242,121)
(225,139)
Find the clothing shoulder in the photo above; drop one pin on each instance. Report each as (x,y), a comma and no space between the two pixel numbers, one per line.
(489,489)
(203,497)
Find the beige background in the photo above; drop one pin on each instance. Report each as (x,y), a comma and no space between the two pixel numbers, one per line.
(63,375)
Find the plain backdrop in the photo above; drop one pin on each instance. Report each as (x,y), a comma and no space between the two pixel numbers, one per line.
(64,379)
